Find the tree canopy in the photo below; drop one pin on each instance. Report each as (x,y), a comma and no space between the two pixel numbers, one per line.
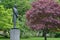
(44,14)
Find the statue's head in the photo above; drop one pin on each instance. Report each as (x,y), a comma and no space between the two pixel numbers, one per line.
(15,6)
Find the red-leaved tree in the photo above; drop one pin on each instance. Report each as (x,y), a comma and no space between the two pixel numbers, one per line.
(44,14)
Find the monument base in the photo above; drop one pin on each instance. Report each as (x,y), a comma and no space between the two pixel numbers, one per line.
(14,34)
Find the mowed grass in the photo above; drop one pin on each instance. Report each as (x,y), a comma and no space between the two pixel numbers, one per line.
(34,38)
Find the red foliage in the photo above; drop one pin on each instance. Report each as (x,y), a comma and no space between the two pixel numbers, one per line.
(44,13)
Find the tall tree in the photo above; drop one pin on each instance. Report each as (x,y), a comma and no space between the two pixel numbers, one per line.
(44,14)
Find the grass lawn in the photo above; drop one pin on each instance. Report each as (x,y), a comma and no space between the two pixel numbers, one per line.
(36,38)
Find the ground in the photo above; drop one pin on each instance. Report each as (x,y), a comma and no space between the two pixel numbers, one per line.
(34,38)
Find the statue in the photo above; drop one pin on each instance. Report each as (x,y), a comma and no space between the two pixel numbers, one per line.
(15,15)
(15,32)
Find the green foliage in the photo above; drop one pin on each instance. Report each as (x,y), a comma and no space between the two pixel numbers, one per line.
(57,34)
(22,5)
(23,27)
(5,18)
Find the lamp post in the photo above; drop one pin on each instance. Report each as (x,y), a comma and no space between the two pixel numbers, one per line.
(15,32)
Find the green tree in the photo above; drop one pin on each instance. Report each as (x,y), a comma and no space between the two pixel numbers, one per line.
(5,19)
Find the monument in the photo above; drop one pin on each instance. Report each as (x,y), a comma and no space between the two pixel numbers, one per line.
(15,32)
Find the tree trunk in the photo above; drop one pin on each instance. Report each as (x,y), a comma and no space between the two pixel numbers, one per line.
(44,34)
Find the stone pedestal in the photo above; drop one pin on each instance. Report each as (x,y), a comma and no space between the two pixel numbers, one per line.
(14,34)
